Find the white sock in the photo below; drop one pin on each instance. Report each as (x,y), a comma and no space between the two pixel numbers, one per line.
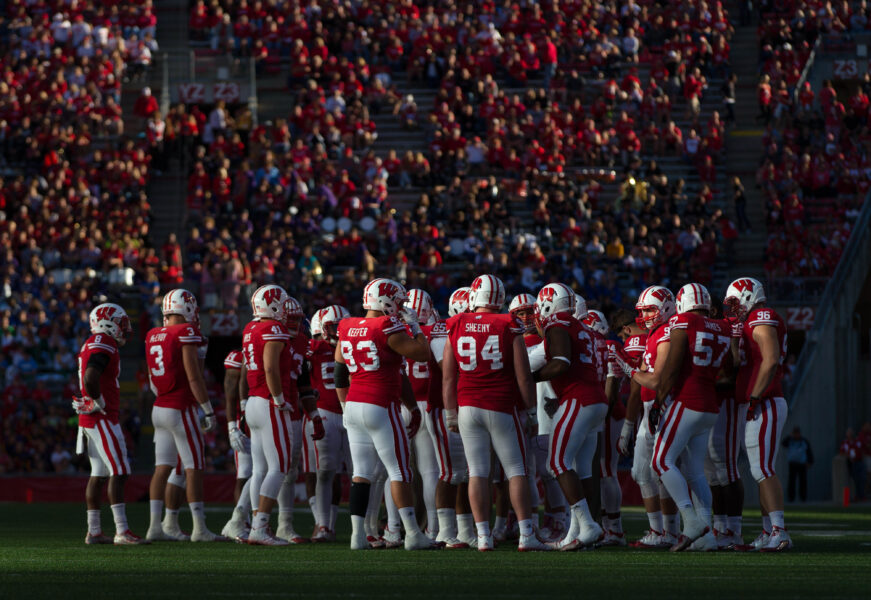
(606,523)
(616,525)
(244,503)
(311,505)
(766,523)
(334,513)
(776,517)
(409,520)
(155,507)
(261,520)
(483,528)
(432,521)
(535,519)
(574,527)
(720,523)
(447,522)
(581,512)
(672,524)
(499,524)
(655,520)
(734,524)
(688,513)
(120,515)
(704,513)
(198,515)
(526,528)
(170,520)
(466,525)
(94,527)
(358,525)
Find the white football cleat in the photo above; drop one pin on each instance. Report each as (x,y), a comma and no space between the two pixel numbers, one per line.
(760,542)
(207,536)
(706,543)
(376,543)
(500,534)
(667,540)
(236,529)
(470,540)
(650,540)
(530,543)
(451,543)
(360,542)
(128,538)
(725,539)
(613,538)
(289,535)
(485,543)
(264,537)
(98,538)
(431,534)
(324,534)
(419,541)
(392,539)
(778,541)
(159,535)
(590,534)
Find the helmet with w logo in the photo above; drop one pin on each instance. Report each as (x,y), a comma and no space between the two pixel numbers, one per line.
(554,298)
(385,295)
(459,301)
(741,296)
(596,321)
(487,291)
(293,315)
(181,302)
(268,302)
(693,296)
(658,299)
(421,302)
(110,319)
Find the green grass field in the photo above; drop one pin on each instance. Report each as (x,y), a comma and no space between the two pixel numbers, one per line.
(42,554)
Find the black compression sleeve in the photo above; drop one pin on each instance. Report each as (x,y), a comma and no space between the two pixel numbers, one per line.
(341,376)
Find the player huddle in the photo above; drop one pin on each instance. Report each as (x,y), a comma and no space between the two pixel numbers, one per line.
(482,403)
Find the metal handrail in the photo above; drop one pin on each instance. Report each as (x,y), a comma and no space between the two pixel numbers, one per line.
(807,69)
(861,229)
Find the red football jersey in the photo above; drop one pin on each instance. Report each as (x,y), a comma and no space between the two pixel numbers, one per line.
(532,339)
(376,370)
(589,353)
(233,360)
(434,397)
(254,339)
(654,338)
(292,357)
(751,357)
(321,358)
(483,345)
(163,351)
(100,343)
(709,343)
(633,349)
(419,373)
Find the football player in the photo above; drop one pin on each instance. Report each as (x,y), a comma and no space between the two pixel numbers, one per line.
(296,386)
(485,374)
(655,307)
(761,350)
(368,379)
(98,410)
(238,526)
(698,346)
(576,359)
(419,376)
(611,494)
(332,449)
(176,375)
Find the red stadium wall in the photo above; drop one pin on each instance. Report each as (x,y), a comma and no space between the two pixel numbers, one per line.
(218,487)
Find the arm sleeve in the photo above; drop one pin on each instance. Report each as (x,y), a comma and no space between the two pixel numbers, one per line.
(304,379)
(98,361)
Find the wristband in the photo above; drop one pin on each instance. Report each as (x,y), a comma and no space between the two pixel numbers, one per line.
(415,328)
(242,404)
(207,409)
(278,399)
(755,399)
(232,426)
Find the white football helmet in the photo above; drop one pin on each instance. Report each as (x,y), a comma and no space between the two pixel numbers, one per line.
(655,297)
(741,296)
(487,291)
(293,315)
(459,301)
(268,302)
(520,303)
(596,321)
(554,298)
(385,295)
(315,324)
(580,307)
(110,319)
(329,318)
(181,302)
(693,296)
(421,303)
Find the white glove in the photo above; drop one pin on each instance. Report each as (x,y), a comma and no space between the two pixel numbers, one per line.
(409,315)
(627,435)
(208,421)
(737,329)
(87,406)
(203,349)
(238,440)
(451,419)
(627,369)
